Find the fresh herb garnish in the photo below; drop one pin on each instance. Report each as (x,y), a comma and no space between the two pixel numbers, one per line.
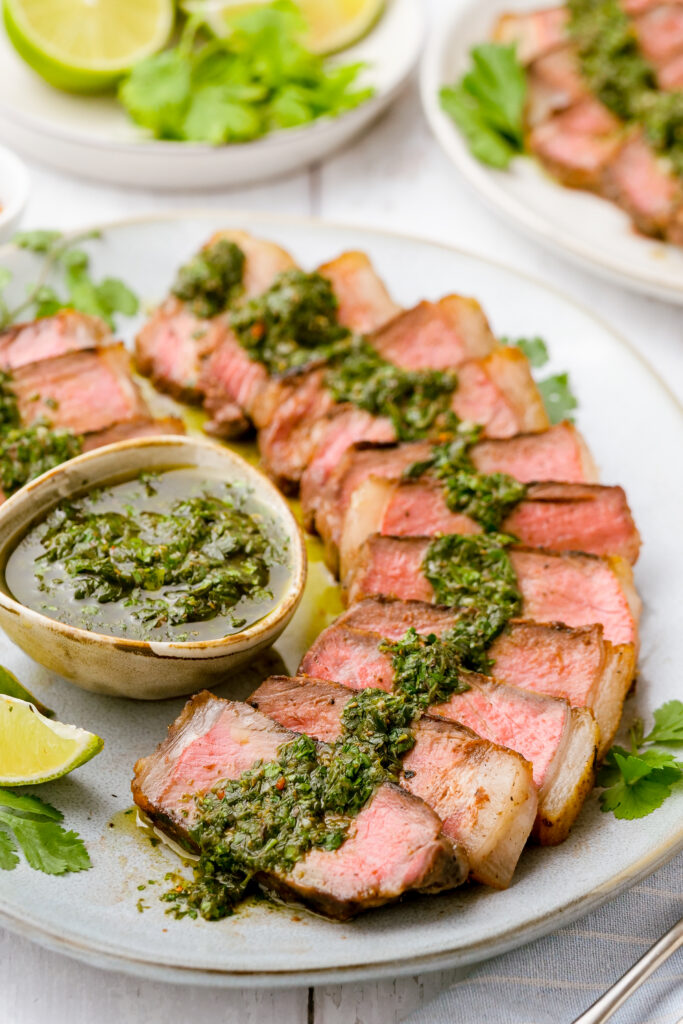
(258,78)
(292,324)
(535,349)
(638,781)
(486,497)
(212,279)
(416,401)
(488,104)
(29,824)
(558,398)
(63,255)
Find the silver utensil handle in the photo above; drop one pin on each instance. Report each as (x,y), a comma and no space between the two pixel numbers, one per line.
(603,1008)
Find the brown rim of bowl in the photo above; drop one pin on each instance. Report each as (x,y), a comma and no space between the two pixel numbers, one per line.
(268,623)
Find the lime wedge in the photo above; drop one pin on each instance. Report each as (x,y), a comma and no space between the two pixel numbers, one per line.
(11,687)
(33,749)
(86,45)
(333,24)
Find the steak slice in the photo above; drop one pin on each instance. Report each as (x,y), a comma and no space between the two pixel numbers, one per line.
(483,794)
(395,844)
(66,331)
(232,385)
(576,145)
(559,453)
(535,33)
(554,82)
(499,393)
(558,740)
(642,184)
(364,302)
(436,335)
(132,429)
(575,589)
(87,391)
(660,32)
(173,344)
(559,517)
(574,663)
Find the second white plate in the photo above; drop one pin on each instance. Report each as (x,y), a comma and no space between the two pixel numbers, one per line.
(590,231)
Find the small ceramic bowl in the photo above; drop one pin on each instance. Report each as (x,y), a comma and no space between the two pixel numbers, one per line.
(14,188)
(132,668)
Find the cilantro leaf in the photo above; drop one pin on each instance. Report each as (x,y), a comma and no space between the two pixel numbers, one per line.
(668,727)
(38,241)
(535,349)
(30,824)
(558,397)
(638,799)
(116,297)
(157,91)
(488,104)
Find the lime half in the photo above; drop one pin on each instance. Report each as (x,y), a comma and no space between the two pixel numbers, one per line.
(333,24)
(86,45)
(33,749)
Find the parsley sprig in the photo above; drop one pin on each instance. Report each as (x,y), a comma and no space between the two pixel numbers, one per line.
(638,781)
(29,824)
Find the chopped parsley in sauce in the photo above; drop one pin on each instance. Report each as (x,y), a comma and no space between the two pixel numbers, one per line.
(26,452)
(211,280)
(485,497)
(173,556)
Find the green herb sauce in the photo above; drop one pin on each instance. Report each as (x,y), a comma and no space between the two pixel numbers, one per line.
(26,452)
(485,497)
(291,325)
(620,76)
(167,557)
(416,401)
(212,279)
(276,812)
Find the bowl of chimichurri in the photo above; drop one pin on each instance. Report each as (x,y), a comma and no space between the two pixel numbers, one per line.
(149,568)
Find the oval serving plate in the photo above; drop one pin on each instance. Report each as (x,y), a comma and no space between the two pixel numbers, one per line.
(590,231)
(94,915)
(94,135)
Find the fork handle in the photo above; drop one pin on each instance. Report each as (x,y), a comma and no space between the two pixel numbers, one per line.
(603,1008)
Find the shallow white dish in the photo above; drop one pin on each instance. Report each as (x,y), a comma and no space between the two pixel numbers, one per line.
(14,189)
(592,232)
(93,915)
(92,135)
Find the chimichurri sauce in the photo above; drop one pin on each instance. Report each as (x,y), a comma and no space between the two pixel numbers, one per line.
(169,556)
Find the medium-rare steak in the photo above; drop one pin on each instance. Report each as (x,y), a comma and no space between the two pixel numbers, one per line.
(66,331)
(393,846)
(436,335)
(364,302)
(483,793)
(559,741)
(577,145)
(534,33)
(577,664)
(556,516)
(87,391)
(575,589)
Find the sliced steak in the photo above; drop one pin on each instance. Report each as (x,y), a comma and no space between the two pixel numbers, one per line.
(670,76)
(232,385)
(395,844)
(575,589)
(534,33)
(576,145)
(499,392)
(132,429)
(642,184)
(575,663)
(554,83)
(559,741)
(660,32)
(559,453)
(364,302)
(87,391)
(66,331)
(483,794)
(436,335)
(559,517)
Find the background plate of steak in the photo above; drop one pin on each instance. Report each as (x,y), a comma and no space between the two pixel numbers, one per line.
(483,793)
(394,846)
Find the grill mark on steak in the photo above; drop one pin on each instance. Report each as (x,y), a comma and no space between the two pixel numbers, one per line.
(482,792)
(395,844)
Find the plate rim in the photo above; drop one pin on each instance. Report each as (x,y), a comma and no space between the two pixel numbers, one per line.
(484,185)
(100,955)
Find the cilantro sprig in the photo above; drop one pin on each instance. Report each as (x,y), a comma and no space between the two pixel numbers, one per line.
(638,781)
(556,391)
(72,263)
(29,824)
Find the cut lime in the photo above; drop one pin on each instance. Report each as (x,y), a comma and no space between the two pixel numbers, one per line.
(11,687)
(86,45)
(33,749)
(333,24)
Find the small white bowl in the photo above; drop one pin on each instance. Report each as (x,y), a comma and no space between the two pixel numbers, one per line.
(135,668)
(14,186)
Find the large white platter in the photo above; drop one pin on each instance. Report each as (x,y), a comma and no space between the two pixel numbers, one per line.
(590,231)
(635,429)
(93,136)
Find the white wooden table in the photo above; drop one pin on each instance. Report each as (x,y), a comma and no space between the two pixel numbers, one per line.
(396,177)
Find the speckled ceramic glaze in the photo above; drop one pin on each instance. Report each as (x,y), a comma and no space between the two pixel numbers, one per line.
(133,668)
(635,431)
